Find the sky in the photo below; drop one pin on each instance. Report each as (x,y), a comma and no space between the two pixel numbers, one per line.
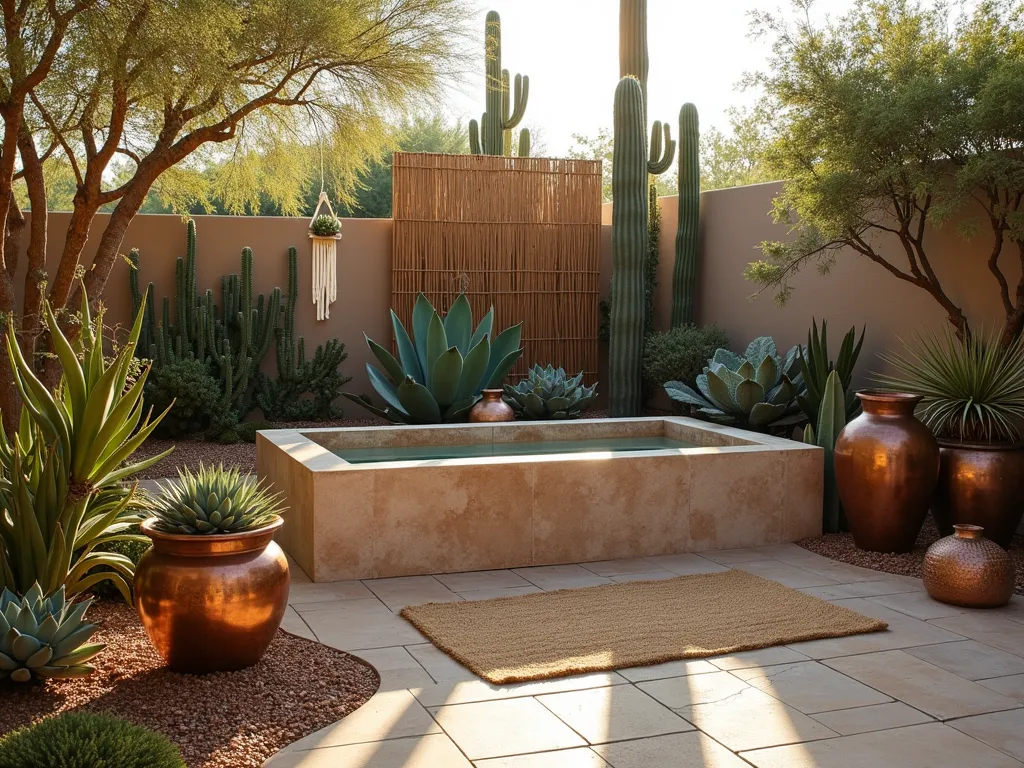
(699,50)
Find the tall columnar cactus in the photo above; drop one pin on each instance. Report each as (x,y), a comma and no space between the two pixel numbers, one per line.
(147,337)
(493,135)
(684,275)
(633,58)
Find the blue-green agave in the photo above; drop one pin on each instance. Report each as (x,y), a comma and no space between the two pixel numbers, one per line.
(831,420)
(755,390)
(442,368)
(44,637)
(549,394)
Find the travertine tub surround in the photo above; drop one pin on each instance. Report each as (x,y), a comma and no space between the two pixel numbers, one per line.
(356,521)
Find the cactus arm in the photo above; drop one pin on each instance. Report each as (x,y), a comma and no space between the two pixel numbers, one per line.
(522,95)
(474,137)
(684,274)
(524,143)
(659,162)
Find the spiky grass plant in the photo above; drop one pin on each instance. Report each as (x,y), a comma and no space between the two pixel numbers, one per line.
(214,500)
(972,390)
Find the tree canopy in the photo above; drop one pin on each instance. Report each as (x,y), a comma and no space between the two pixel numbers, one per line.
(887,119)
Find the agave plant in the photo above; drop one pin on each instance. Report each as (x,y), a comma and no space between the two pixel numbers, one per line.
(971,390)
(816,367)
(549,394)
(830,422)
(442,368)
(44,637)
(61,494)
(755,390)
(214,500)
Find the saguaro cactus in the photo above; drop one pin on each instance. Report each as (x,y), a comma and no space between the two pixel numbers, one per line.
(633,58)
(493,135)
(684,273)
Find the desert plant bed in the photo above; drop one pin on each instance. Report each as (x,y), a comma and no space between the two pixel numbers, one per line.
(840,546)
(225,720)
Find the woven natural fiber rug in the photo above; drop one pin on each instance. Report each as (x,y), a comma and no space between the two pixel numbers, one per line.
(552,634)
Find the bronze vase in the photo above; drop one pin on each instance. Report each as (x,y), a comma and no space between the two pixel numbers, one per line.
(887,464)
(211,603)
(491,407)
(969,570)
(980,484)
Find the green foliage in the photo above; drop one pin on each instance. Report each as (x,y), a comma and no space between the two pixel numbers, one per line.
(493,135)
(61,473)
(283,398)
(247,430)
(756,390)
(325,225)
(971,390)
(679,354)
(816,367)
(133,549)
(44,637)
(684,273)
(195,394)
(442,367)
(214,501)
(889,119)
(548,393)
(830,420)
(736,158)
(87,740)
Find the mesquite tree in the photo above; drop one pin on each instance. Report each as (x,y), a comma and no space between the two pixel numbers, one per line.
(890,119)
(124,96)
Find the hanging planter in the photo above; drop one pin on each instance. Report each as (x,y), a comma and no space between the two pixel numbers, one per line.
(325,232)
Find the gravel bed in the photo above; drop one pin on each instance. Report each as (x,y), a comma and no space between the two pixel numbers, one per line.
(225,720)
(840,546)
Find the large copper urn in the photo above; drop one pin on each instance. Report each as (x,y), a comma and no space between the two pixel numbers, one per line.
(887,463)
(491,408)
(211,603)
(980,484)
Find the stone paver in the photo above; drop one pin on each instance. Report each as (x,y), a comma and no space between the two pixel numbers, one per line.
(854,702)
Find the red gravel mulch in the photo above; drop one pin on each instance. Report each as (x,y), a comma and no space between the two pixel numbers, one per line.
(840,546)
(225,720)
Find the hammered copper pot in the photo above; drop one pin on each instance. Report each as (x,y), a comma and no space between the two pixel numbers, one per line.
(491,407)
(211,603)
(968,569)
(980,484)
(887,464)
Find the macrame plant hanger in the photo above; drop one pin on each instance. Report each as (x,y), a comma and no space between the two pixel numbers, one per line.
(325,255)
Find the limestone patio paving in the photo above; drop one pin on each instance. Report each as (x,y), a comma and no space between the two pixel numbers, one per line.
(942,687)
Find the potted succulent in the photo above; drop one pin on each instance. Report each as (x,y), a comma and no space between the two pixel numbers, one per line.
(972,398)
(212,591)
(325,225)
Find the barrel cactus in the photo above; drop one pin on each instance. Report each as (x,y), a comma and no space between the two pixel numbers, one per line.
(755,390)
(214,500)
(442,367)
(44,637)
(549,394)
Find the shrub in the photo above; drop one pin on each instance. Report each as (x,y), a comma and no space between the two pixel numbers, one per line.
(195,393)
(247,430)
(87,740)
(679,355)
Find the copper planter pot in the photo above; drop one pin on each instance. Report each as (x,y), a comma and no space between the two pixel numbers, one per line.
(969,570)
(980,484)
(211,603)
(491,407)
(887,464)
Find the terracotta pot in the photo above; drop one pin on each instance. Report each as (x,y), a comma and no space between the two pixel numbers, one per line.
(491,407)
(887,463)
(980,484)
(211,603)
(969,570)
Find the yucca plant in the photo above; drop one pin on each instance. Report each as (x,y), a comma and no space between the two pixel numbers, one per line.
(44,637)
(214,500)
(547,393)
(61,494)
(816,367)
(442,368)
(972,390)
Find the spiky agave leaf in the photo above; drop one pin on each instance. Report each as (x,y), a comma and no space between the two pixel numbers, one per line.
(548,394)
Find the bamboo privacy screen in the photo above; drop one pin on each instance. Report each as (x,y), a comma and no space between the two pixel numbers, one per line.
(521,233)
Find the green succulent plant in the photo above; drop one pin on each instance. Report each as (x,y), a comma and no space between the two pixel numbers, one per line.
(816,367)
(325,225)
(830,422)
(214,500)
(44,637)
(549,394)
(755,390)
(442,368)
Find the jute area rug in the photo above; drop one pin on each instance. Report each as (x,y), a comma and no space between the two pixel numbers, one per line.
(571,631)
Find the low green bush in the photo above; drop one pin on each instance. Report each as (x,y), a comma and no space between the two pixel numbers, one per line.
(195,393)
(247,430)
(679,355)
(87,740)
